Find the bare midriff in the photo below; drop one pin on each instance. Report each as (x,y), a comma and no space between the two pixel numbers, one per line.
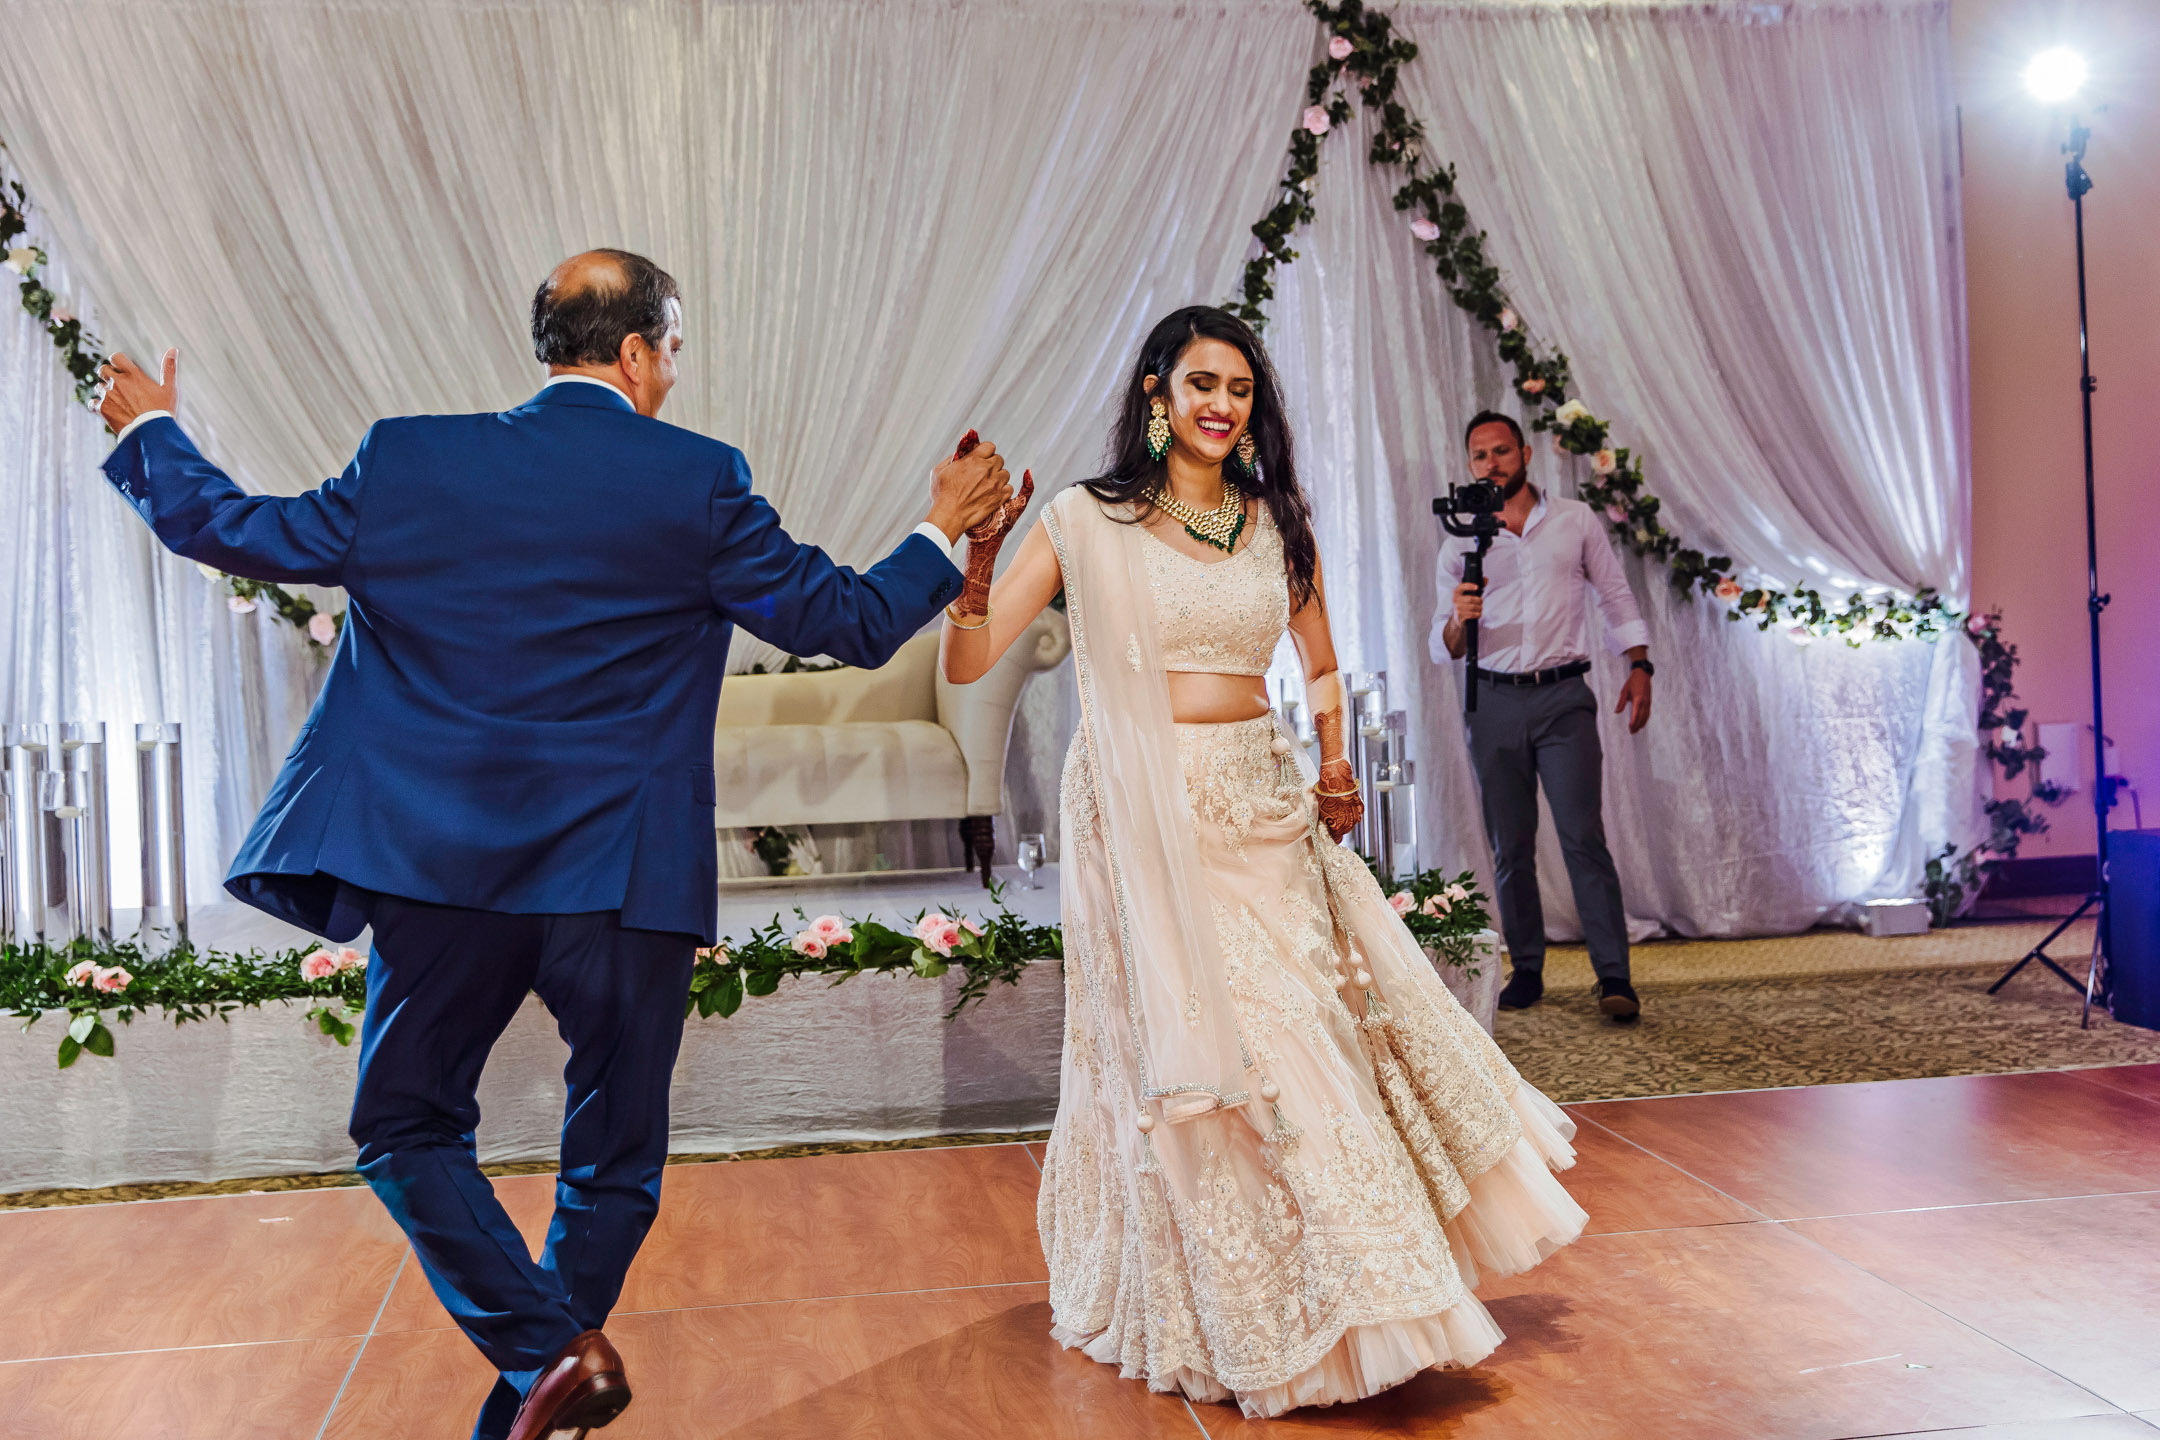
(1198,699)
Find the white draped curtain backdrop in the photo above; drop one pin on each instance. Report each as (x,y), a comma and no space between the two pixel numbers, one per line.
(899,219)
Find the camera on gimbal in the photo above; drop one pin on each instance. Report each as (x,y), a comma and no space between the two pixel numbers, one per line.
(1471,512)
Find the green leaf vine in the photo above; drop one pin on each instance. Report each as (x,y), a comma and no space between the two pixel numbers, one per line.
(1362,52)
(100,987)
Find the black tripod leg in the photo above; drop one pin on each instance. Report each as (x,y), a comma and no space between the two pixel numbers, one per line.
(2039,951)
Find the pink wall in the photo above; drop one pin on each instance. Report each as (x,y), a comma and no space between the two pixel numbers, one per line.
(2028,506)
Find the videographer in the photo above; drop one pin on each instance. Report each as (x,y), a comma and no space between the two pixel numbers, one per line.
(1536,719)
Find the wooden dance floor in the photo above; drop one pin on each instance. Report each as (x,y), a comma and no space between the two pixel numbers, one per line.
(1977,1254)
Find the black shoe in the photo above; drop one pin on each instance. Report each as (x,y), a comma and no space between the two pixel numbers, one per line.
(1523,989)
(1617,998)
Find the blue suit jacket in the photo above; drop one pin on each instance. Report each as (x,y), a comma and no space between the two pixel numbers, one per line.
(520,714)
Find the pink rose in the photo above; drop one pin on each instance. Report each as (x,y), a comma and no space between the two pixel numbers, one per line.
(1533,386)
(1508,318)
(1424,229)
(1402,900)
(322,628)
(1605,462)
(808,943)
(1316,119)
(351,959)
(1339,48)
(1434,906)
(1728,589)
(832,930)
(970,926)
(239,605)
(713,955)
(1617,513)
(82,974)
(61,315)
(1455,894)
(112,981)
(937,933)
(319,966)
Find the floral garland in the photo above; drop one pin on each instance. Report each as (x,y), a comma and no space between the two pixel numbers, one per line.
(103,985)
(80,356)
(1365,53)
(999,949)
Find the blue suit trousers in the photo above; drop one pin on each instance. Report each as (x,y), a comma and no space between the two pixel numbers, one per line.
(443,983)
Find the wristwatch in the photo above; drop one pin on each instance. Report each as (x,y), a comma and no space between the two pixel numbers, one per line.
(1645,666)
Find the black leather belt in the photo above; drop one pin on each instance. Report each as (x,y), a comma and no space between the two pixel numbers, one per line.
(1535,677)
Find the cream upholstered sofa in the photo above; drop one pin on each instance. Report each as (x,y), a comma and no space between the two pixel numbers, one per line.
(850,746)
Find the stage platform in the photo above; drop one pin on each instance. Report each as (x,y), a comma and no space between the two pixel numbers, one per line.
(1971,1255)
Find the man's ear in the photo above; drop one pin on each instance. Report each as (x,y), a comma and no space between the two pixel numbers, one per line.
(634,354)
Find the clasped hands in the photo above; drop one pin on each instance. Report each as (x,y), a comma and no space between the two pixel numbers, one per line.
(987,508)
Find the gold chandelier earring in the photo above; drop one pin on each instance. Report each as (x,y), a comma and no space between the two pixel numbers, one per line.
(1247,452)
(1158,430)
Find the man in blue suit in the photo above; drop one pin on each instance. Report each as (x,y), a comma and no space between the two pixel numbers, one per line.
(509,770)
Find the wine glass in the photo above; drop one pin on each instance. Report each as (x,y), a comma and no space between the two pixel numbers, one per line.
(1031,853)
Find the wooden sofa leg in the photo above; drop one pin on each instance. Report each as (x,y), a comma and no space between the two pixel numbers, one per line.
(977,834)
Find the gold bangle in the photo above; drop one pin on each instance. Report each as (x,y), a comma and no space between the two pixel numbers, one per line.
(955,621)
(1336,794)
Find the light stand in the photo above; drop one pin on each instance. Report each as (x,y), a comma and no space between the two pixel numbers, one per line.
(2094,984)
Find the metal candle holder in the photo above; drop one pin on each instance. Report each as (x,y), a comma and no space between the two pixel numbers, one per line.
(86,830)
(28,861)
(164,835)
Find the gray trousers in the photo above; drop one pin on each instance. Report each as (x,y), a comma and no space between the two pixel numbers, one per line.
(1521,735)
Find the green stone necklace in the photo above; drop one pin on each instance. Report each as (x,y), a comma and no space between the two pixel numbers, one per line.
(1219,527)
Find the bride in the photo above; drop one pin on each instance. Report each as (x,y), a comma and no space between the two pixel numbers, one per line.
(1283,1154)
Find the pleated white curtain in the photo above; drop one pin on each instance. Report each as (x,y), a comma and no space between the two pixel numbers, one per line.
(101,624)
(1740,224)
(894,220)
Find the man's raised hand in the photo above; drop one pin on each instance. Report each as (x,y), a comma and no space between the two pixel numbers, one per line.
(130,391)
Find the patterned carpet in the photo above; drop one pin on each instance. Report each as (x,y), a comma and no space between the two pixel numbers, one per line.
(1823,1008)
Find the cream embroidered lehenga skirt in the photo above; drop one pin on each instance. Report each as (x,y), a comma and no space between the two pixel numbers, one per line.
(1322,1248)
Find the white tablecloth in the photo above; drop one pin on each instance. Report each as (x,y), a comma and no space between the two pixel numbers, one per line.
(267,1094)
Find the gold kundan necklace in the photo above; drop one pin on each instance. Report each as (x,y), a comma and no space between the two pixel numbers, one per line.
(1219,527)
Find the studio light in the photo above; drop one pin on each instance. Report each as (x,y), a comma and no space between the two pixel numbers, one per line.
(2056,75)
(2053,77)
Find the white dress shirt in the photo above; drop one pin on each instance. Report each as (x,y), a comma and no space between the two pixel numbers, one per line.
(1534,584)
(927,530)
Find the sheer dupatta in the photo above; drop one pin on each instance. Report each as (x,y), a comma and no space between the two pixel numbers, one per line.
(1190,1058)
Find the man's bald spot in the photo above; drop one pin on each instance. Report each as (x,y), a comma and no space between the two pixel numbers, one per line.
(594,272)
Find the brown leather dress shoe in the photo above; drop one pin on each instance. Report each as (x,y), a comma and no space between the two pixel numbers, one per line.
(582,1389)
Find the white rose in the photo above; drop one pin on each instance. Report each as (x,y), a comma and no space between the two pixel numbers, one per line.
(1605,462)
(209,572)
(1509,319)
(321,628)
(1571,412)
(20,259)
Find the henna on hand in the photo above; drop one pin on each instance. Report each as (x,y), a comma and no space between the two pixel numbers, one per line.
(1340,812)
(986,539)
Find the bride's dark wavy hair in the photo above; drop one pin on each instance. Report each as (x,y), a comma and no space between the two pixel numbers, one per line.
(1132,474)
